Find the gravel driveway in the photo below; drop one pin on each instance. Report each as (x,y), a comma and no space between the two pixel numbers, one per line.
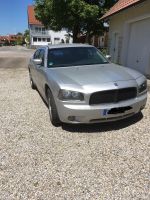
(88,162)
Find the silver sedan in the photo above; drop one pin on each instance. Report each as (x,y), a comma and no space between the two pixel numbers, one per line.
(80,85)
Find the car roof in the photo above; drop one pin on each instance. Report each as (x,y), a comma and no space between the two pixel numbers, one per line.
(68,45)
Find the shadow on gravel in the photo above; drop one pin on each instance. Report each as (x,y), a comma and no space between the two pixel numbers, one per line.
(103,127)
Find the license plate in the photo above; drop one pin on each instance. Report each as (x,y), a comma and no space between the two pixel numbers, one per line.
(114,111)
(105,112)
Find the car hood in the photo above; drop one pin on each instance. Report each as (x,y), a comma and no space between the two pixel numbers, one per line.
(94,74)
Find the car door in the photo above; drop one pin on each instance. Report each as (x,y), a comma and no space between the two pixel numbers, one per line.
(34,67)
(41,72)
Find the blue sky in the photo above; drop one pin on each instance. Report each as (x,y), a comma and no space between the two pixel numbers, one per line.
(13,16)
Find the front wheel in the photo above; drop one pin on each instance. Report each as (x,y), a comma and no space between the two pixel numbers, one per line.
(54,118)
(33,86)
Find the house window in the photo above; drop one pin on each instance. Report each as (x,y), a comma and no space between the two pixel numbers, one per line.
(48,40)
(43,39)
(37,29)
(34,39)
(39,39)
(57,39)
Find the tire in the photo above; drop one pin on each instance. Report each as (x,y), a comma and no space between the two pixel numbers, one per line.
(54,118)
(33,86)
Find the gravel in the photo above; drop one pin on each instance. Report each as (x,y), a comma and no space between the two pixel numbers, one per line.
(88,162)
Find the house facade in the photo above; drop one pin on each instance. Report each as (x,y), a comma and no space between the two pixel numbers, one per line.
(39,35)
(129,34)
(10,39)
(100,41)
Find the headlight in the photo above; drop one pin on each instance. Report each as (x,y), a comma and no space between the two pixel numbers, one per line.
(67,95)
(142,87)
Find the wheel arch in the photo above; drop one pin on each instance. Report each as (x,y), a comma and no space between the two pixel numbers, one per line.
(46,89)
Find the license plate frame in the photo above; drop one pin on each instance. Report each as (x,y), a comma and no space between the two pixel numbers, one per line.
(115,111)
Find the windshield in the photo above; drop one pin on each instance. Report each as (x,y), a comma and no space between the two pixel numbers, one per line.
(74,56)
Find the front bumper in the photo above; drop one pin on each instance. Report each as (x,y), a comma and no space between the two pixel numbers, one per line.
(85,114)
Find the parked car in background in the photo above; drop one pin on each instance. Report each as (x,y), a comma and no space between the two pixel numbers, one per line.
(81,86)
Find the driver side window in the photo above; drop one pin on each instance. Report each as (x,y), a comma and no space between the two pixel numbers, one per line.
(42,56)
(36,54)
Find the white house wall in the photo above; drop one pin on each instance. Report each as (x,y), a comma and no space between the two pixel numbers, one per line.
(49,34)
(59,34)
(120,30)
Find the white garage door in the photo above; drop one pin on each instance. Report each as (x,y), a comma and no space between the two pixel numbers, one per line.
(139,46)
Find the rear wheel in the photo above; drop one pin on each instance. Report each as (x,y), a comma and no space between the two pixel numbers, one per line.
(54,118)
(33,86)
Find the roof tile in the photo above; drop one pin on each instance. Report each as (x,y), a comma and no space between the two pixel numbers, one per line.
(31,16)
(120,5)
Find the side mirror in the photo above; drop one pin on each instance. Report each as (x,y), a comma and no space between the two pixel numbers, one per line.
(108,57)
(37,61)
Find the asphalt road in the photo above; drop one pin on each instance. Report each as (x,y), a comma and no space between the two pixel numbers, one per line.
(89,162)
(14,57)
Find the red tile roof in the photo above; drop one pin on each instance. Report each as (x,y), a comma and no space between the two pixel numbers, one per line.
(120,5)
(31,16)
(4,37)
(10,38)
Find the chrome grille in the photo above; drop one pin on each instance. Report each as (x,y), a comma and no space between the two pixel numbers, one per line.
(113,96)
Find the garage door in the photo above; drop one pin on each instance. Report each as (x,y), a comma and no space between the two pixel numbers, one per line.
(138,56)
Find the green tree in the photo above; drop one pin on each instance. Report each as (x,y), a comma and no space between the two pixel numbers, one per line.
(27,36)
(19,34)
(78,16)
(20,40)
(26,32)
(109,3)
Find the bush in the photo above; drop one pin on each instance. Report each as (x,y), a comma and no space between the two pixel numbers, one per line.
(20,41)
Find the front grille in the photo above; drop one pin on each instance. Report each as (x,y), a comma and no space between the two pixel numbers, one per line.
(113,96)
